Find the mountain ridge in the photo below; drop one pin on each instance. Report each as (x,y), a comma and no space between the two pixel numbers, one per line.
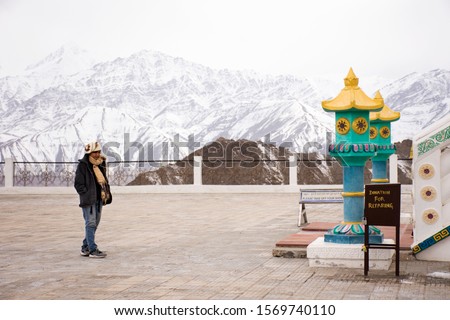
(153,97)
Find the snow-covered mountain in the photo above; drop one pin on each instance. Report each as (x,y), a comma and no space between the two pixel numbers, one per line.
(421,98)
(145,102)
(53,70)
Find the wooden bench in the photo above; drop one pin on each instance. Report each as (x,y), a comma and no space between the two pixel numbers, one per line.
(311,196)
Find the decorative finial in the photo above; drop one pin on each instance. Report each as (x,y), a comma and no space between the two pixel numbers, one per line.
(386,114)
(351,80)
(378,95)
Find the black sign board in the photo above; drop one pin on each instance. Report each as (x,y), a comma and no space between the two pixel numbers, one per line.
(382,204)
(382,208)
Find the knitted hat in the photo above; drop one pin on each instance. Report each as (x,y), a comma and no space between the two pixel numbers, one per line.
(92,147)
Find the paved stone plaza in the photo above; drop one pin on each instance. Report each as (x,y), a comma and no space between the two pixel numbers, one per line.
(184,246)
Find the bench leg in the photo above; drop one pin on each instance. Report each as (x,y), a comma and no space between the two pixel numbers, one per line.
(303,219)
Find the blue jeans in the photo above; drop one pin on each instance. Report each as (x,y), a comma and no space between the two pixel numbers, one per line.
(92,216)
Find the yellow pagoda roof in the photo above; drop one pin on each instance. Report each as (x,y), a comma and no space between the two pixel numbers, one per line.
(351,97)
(386,114)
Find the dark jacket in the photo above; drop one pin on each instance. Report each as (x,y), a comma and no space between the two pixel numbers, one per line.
(86,183)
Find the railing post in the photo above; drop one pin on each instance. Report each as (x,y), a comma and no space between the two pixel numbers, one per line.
(393,168)
(293,170)
(198,170)
(9,172)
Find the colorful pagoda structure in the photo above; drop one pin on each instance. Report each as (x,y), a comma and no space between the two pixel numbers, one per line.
(352,149)
(380,135)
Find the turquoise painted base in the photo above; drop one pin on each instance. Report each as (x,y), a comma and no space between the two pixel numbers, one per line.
(352,238)
(353,233)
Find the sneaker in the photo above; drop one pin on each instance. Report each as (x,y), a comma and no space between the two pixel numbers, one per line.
(84,252)
(97,254)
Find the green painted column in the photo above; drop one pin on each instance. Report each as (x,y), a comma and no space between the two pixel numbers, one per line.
(380,135)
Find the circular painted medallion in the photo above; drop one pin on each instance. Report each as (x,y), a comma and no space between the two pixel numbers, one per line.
(385,132)
(342,126)
(360,125)
(428,193)
(426,171)
(430,216)
(373,132)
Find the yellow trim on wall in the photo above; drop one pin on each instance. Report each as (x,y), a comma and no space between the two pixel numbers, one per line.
(351,222)
(380,180)
(353,194)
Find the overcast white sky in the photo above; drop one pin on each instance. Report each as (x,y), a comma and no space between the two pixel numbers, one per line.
(389,38)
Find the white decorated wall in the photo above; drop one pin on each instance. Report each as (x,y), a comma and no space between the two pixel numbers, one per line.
(431,189)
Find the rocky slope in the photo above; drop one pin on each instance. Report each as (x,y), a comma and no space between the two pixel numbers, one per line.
(234,162)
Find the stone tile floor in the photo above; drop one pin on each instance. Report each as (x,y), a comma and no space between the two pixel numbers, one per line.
(183,246)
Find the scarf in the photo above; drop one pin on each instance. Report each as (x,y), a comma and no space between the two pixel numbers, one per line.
(99,175)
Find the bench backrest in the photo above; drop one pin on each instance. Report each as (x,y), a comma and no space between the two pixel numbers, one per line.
(321,196)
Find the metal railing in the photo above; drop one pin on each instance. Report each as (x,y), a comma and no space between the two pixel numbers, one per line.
(213,172)
(46,174)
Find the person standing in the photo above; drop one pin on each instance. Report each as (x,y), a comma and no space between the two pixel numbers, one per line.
(90,184)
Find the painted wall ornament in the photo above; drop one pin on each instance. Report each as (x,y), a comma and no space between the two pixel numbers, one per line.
(385,132)
(435,238)
(373,132)
(360,125)
(426,171)
(428,193)
(433,141)
(342,126)
(430,216)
